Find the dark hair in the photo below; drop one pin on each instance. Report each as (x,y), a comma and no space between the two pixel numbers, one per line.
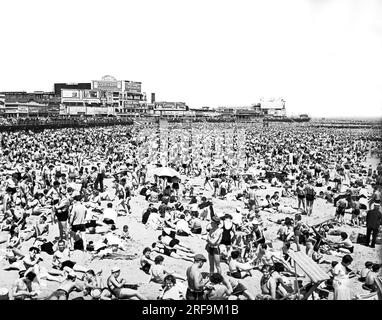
(216,278)
(12,229)
(235,254)
(375,267)
(30,276)
(146,250)
(110,205)
(279,267)
(347,259)
(34,249)
(158,259)
(368,264)
(91,271)
(266,267)
(344,235)
(170,278)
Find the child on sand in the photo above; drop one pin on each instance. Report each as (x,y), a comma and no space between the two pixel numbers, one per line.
(365,271)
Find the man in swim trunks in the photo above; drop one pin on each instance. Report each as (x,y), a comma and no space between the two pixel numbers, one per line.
(195,279)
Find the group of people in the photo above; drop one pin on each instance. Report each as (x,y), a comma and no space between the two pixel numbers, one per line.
(79,184)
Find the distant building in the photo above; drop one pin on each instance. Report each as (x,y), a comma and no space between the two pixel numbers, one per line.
(172,109)
(124,95)
(22,103)
(273,107)
(80,86)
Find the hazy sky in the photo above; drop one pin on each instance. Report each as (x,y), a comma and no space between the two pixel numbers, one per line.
(323,57)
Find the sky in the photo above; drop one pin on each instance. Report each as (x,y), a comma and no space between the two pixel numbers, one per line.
(323,57)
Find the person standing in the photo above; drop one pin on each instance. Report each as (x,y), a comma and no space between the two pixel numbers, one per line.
(195,279)
(214,238)
(77,221)
(373,222)
(310,195)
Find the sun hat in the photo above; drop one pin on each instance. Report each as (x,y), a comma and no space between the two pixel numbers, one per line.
(200,257)
(115,269)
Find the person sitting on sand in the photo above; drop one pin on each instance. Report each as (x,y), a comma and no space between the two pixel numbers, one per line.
(239,270)
(118,287)
(22,288)
(14,244)
(217,289)
(182,227)
(344,245)
(370,281)
(365,271)
(110,214)
(146,261)
(62,259)
(171,252)
(40,228)
(171,290)
(158,272)
(93,283)
(124,234)
(268,285)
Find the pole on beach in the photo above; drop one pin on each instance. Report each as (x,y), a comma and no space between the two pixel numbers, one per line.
(297,284)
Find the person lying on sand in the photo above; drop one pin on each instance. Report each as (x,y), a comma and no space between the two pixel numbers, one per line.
(174,243)
(69,285)
(172,252)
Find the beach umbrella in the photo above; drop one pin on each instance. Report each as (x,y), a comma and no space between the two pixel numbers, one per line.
(165,172)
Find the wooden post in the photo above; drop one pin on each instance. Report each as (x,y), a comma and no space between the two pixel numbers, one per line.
(297,284)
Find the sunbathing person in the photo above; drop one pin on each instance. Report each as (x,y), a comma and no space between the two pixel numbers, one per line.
(344,245)
(158,272)
(217,289)
(40,228)
(239,270)
(146,261)
(61,259)
(174,243)
(118,288)
(93,285)
(22,288)
(171,252)
(171,290)
(370,281)
(365,271)
(268,285)
(69,285)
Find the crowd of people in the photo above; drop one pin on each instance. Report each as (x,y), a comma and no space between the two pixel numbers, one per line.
(68,190)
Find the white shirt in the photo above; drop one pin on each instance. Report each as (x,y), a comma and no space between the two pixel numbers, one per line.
(110,213)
